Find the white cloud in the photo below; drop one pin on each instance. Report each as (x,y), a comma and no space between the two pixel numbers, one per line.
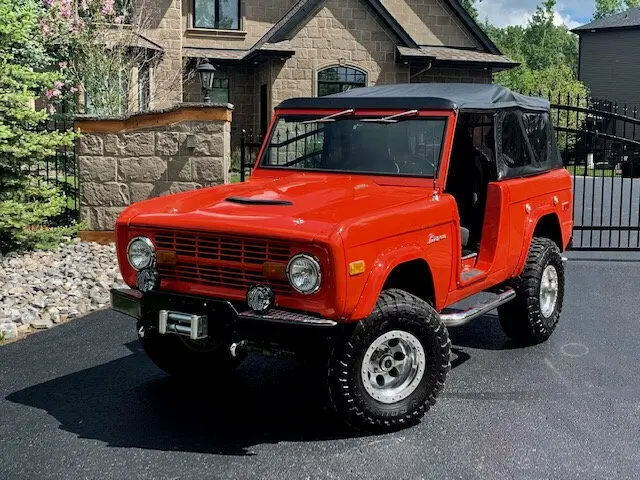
(518,12)
(566,20)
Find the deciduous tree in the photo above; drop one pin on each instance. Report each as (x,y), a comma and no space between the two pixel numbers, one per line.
(604,8)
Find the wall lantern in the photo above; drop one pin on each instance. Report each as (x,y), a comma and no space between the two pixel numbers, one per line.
(206,72)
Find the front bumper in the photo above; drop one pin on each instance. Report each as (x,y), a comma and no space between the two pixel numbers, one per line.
(138,305)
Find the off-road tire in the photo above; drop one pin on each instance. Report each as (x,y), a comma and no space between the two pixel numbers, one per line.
(395,310)
(522,319)
(185,359)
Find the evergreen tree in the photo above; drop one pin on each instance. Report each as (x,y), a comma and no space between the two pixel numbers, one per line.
(25,76)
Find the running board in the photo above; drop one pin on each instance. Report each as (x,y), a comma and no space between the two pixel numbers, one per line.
(458,319)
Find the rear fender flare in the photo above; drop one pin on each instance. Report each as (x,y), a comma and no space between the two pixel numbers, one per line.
(530,228)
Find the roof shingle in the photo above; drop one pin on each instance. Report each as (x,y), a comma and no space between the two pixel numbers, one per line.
(627,19)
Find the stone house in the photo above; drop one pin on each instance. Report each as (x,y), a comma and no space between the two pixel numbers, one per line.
(266,51)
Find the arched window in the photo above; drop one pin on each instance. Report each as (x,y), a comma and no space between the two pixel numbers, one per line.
(340,79)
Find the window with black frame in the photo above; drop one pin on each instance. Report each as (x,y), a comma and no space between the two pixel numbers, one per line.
(143,88)
(220,90)
(340,79)
(216,14)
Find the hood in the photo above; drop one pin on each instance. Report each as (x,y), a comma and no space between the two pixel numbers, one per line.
(306,206)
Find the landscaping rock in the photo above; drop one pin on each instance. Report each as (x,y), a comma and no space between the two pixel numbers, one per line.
(41,289)
(8,331)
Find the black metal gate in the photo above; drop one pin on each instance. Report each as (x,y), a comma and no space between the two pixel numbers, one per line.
(600,146)
(249,148)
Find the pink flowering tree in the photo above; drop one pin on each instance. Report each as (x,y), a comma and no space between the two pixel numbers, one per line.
(96,41)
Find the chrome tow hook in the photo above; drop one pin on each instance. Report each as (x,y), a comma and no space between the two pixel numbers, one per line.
(239,349)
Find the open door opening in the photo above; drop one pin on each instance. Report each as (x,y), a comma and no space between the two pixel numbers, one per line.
(471,168)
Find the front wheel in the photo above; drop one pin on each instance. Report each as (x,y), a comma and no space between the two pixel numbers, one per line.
(533,316)
(389,371)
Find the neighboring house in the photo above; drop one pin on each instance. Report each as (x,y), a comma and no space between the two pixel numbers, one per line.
(609,62)
(267,51)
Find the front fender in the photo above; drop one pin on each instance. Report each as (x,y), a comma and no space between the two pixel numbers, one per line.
(383,266)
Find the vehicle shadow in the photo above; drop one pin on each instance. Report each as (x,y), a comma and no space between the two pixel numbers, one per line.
(483,333)
(128,402)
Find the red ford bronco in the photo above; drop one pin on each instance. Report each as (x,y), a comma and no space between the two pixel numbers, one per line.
(368,214)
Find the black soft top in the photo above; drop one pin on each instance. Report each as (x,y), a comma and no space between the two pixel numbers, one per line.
(436,96)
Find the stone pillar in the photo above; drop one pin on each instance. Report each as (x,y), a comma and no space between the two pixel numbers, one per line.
(123,160)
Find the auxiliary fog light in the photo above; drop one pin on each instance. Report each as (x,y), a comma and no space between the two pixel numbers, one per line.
(148,279)
(260,298)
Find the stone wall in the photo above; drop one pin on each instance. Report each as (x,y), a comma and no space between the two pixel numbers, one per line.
(128,159)
(161,22)
(430,22)
(449,75)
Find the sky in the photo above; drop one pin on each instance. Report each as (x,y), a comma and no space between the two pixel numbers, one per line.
(517,12)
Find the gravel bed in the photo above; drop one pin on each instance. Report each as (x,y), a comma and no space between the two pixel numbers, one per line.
(41,289)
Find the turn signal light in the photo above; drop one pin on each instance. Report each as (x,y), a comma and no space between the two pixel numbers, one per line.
(356,268)
(274,271)
(166,257)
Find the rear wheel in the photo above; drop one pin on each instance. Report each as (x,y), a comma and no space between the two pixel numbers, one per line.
(184,358)
(389,371)
(533,316)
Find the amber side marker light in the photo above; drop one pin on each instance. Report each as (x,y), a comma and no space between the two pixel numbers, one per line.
(356,268)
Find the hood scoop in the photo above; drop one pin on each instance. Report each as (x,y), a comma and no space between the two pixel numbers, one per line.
(257,201)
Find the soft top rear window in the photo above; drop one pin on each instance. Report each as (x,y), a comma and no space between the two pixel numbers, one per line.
(526,143)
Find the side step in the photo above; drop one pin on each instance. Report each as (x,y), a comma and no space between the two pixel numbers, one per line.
(457,319)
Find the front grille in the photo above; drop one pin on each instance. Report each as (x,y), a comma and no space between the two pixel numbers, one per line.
(221,260)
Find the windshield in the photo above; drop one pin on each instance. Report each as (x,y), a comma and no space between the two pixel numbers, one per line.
(409,146)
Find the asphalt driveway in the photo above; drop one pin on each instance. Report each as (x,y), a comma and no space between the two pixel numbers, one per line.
(82,401)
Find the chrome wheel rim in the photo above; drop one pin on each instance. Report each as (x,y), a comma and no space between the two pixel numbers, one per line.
(548,291)
(393,366)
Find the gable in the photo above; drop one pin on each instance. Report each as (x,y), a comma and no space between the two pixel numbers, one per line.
(340,33)
(349,30)
(430,22)
(412,22)
(302,11)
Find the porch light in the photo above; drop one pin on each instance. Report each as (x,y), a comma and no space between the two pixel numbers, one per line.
(206,72)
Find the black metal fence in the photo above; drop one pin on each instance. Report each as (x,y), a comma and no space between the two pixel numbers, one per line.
(249,147)
(60,170)
(600,146)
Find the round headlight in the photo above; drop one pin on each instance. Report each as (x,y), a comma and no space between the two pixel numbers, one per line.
(140,253)
(303,272)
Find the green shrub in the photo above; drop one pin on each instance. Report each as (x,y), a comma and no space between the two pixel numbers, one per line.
(28,218)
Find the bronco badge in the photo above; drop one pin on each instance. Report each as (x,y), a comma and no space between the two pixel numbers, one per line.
(436,238)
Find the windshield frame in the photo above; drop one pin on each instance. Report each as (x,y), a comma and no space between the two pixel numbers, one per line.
(448,116)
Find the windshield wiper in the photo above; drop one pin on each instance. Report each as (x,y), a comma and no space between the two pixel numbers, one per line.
(391,118)
(329,118)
